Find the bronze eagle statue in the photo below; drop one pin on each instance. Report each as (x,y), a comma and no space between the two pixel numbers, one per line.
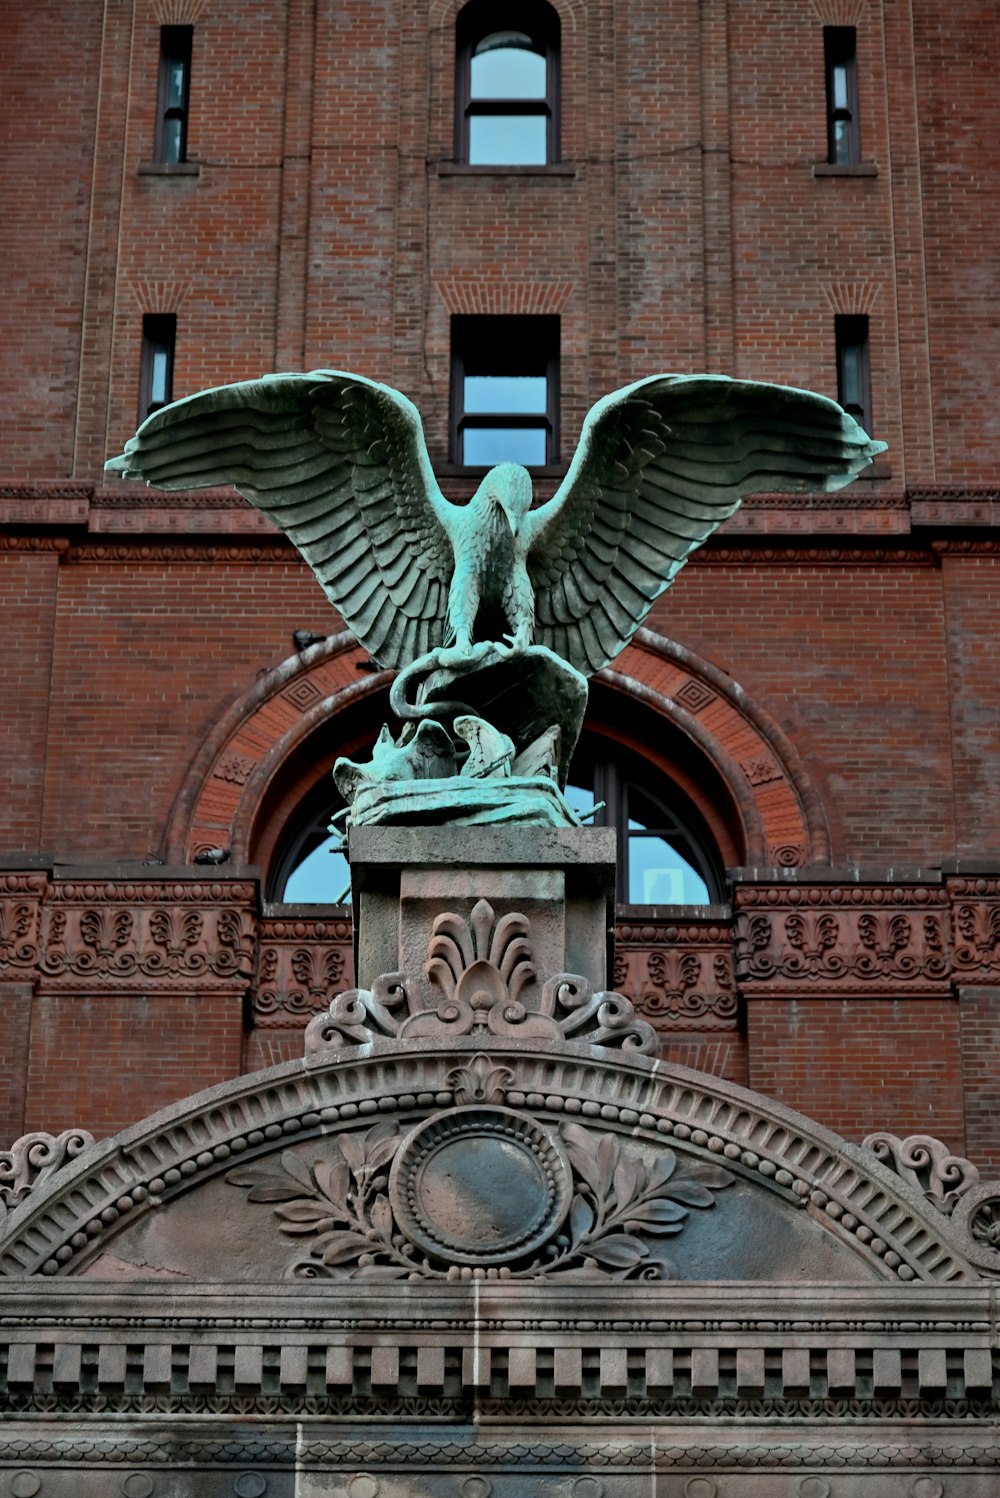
(339,463)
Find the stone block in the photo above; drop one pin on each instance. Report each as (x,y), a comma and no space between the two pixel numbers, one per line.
(561,880)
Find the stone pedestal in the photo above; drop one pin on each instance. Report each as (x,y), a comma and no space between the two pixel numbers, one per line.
(559,882)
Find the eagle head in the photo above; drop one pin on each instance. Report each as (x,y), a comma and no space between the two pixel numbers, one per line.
(510,486)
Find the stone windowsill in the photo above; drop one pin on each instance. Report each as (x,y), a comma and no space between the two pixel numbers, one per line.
(845,169)
(169,168)
(543,169)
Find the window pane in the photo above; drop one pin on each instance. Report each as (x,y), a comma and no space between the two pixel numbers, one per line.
(658,875)
(501,393)
(321,877)
(580,799)
(173,139)
(839,82)
(508,140)
(159,375)
(842,141)
(850,375)
(508,72)
(176,70)
(491,445)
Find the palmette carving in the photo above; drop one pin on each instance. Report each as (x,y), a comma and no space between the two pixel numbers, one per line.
(122,938)
(20,897)
(483,965)
(581,1208)
(976,922)
(874,937)
(679,977)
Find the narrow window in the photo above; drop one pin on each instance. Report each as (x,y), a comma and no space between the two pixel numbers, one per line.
(504,391)
(507,84)
(175,83)
(853,371)
(156,376)
(843,138)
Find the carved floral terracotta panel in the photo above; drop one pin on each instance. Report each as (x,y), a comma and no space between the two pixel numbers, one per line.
(861,938)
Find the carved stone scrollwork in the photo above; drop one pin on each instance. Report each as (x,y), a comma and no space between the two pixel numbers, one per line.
(20,899)
(119,932)
(481,1192)
(678,977)
(482,966)
(928,1165)
(873,939)
(32,1159)
(301,964)
(976,929)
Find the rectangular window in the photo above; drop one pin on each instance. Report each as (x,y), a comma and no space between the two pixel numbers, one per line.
(853,372)
(504,391)
(843,138)
(174,89)
(156,376)
(507,84)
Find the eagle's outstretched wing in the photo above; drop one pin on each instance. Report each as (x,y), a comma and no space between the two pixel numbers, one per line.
(659,466)
(340,464)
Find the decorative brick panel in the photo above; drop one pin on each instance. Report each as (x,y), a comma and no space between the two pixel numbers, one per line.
(843,939)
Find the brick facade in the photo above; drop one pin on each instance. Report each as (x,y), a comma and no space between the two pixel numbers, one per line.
(690,224)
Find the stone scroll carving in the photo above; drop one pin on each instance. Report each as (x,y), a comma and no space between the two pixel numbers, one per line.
(482,966)
(480,1191)
(928,1165)
(32,1159)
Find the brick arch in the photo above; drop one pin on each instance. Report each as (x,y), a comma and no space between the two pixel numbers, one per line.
(255,742)
(442,13)
(255,737)
(782,815)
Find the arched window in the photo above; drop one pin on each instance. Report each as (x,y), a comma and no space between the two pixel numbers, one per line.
(666,855)
(507,84)
(310,866)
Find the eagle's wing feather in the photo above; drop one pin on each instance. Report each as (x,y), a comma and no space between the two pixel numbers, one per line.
(340,464)
(659,466)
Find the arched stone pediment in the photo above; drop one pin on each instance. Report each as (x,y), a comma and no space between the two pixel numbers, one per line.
(381,1162)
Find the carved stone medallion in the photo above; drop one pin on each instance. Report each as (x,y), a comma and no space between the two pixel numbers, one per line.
(480,1185)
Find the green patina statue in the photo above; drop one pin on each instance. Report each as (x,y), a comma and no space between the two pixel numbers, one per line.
(494,613)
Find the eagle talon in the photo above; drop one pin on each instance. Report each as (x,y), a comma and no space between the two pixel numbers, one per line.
(517,643)
(465,653)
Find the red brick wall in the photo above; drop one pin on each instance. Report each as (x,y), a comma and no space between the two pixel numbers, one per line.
(980,1021)
(128,1055)
(48,106)
(860,1066)
(685,228)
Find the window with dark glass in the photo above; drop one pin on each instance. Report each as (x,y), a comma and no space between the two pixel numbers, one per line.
(853,372)
(156,376)
(843,138)
(507,84)
(504,391)
(174,90)
(666,856)
(311,866)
